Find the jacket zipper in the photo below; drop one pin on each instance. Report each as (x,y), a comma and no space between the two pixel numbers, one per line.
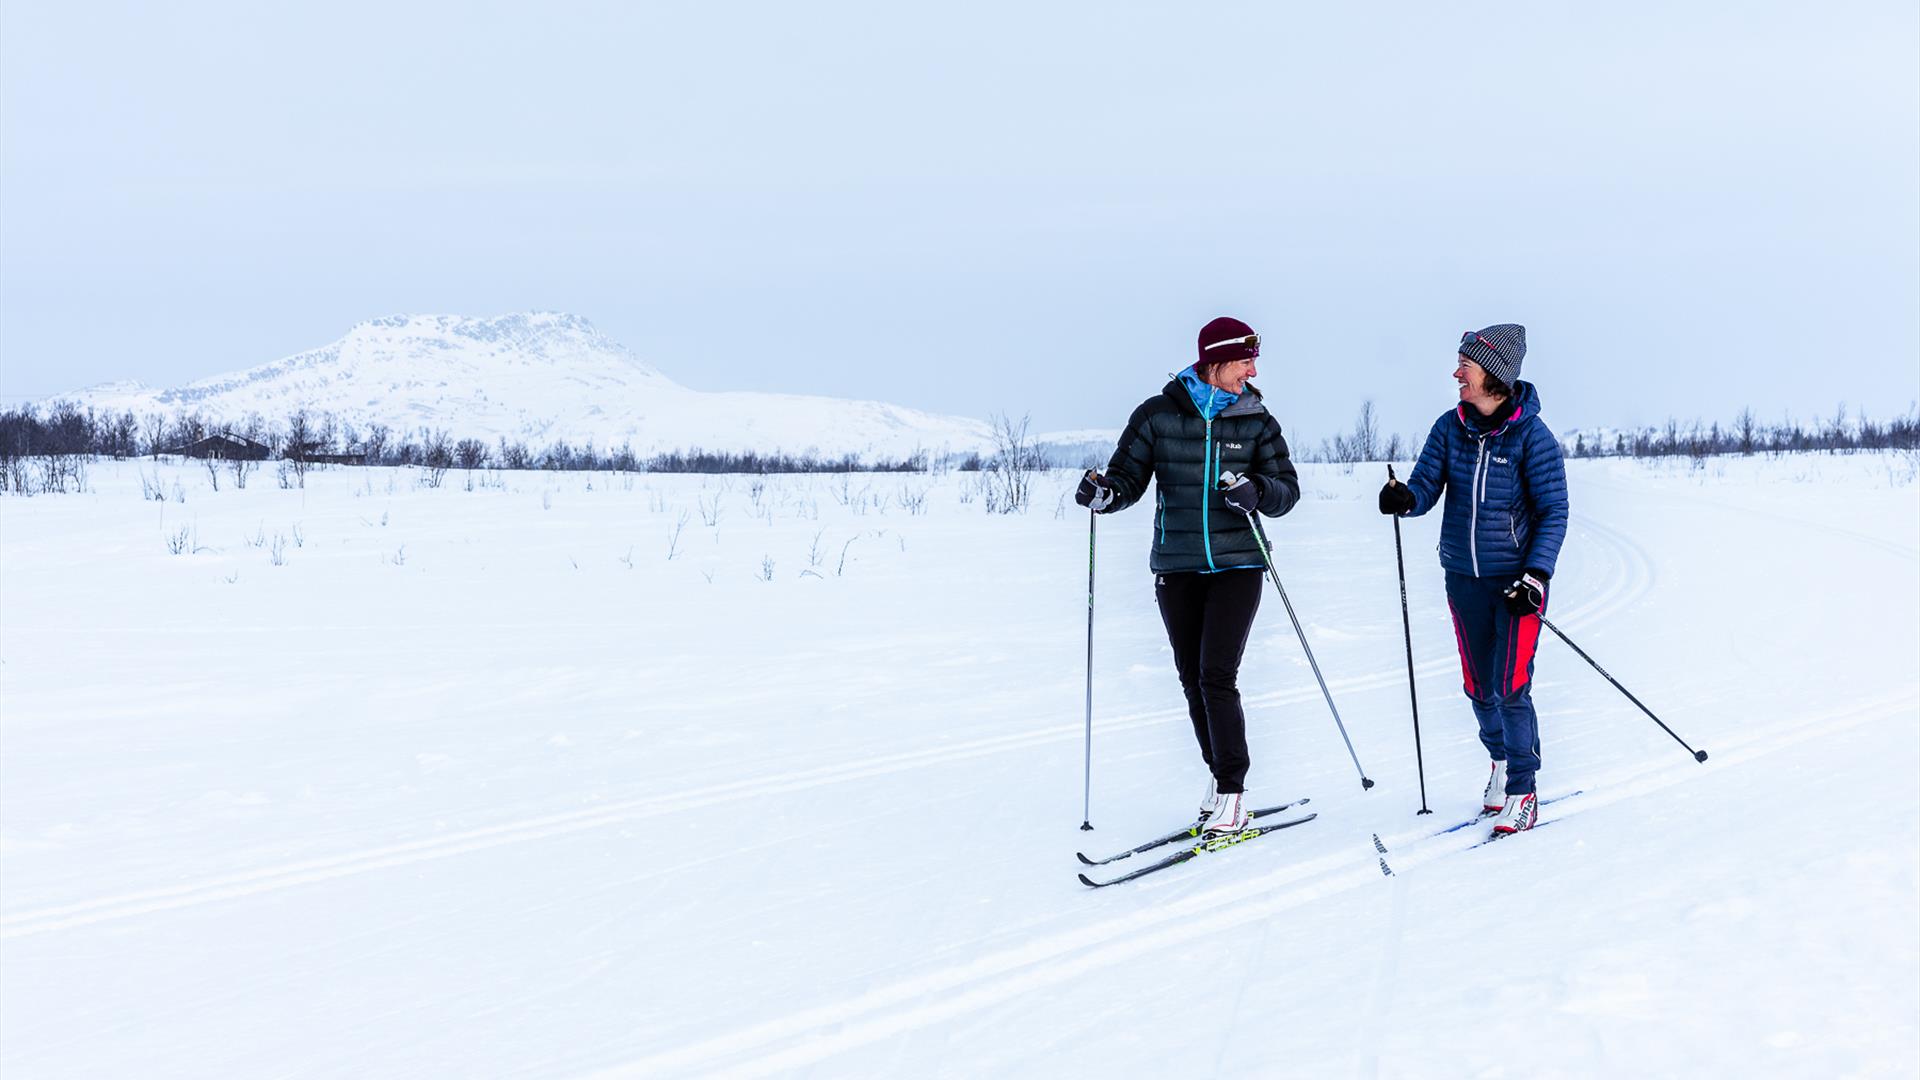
(1162,497)
(1479,499)
(1206,496)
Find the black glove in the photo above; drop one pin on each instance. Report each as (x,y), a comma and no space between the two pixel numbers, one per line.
(1396,498)
(1093,492)
(1527,595)
(1241,492)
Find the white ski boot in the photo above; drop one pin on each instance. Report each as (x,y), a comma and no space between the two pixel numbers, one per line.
(1210,799)
(1229,815)
(1518,815)
(1495,797)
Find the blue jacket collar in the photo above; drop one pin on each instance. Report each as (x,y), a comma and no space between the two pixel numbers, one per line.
(1209,399)
(1526,405)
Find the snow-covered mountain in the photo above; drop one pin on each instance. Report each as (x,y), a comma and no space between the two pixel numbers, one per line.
(537,377)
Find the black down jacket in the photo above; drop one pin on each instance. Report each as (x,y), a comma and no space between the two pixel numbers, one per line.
(1167,439)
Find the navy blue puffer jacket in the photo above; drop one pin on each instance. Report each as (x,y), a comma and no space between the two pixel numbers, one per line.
(1506,489)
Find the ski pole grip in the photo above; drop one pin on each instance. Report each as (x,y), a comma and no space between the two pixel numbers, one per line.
(1228,479)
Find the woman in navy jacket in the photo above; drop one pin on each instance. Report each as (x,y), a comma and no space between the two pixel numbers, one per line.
(1505,484)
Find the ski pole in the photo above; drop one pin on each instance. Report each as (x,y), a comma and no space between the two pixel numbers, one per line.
(1266,555)
(1086,808)
(1406,624)
(1698,755)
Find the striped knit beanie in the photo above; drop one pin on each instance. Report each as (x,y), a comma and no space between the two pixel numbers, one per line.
(1228,339)
(1499,348)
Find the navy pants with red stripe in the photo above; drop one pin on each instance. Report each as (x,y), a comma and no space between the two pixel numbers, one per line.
(1496,658)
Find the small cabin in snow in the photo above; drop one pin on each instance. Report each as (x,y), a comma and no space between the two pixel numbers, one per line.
(225,445)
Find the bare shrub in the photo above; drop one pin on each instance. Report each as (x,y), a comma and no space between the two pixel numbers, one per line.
(439,457)
(14,476)
(673,535)
(1361,444)
(300,442)
(515,455)
(155,431)
(1006,481)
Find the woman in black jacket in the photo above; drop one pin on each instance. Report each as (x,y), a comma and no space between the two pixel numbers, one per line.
(1206,423)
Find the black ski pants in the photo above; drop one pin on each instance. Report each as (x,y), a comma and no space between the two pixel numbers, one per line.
(1209,617)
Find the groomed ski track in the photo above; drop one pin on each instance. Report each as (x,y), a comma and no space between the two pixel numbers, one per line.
(1198,911)
(1629,577)
(750,921)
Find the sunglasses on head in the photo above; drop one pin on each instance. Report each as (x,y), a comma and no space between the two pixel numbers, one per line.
(1251,341)
(1472,337)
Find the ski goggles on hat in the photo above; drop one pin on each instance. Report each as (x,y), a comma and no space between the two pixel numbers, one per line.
(1473,337)
(1251,341)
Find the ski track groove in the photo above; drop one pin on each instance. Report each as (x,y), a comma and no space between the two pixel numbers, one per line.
(1891,547)
(1628,576)
(823,1031)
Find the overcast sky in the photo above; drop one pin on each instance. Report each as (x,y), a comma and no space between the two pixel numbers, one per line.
(1025,207)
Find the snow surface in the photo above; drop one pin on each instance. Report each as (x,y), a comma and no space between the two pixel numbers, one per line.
(537,377)
(481,783)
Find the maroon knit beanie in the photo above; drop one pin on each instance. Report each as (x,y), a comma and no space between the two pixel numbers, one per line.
(1228,339)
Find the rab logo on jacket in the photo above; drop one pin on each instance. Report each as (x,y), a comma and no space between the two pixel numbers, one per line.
(1233,446)
(1499,460)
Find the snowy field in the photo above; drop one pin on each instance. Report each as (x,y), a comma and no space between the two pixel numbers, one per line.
(375,779)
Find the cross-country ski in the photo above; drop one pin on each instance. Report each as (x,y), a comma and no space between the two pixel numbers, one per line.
(1220,842)
(1187,833)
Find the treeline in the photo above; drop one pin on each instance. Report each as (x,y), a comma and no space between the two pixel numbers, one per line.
(1748,435)
(65,429)
(703,461)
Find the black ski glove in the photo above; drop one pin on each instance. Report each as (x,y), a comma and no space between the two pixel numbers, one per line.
(1527,595)
(1093,492)
(1241,492)
(1396,498)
